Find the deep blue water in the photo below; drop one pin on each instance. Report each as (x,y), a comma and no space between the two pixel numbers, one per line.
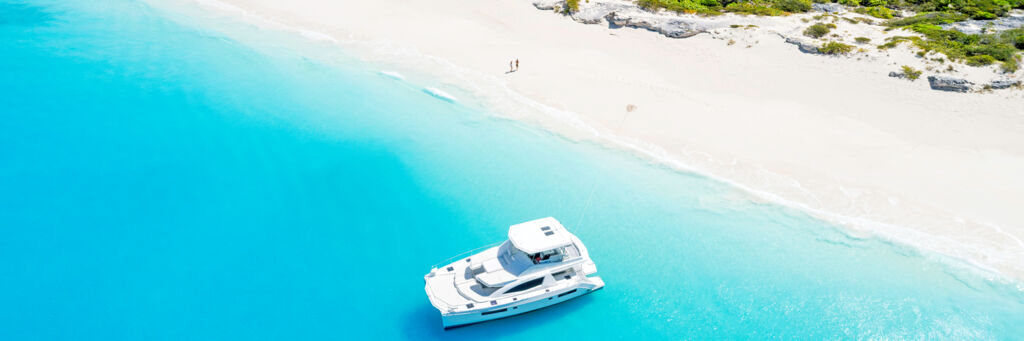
(160,179)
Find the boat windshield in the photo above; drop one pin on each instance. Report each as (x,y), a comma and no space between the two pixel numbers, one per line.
(514,261)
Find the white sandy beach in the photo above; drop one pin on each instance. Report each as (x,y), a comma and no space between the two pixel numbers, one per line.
(833,136)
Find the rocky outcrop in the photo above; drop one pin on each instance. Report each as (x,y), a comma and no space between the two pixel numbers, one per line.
(1003,84)
(803,45)
(944,83)
(549,5)
(625,14)
(899,75)
(830,7)
(973,26)
(672,28)
(598,12)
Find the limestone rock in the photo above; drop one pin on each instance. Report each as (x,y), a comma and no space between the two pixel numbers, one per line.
(803,45)
(549,5)
(1003,84)
(595,12)
(944,83)
(828,7)
(670,27)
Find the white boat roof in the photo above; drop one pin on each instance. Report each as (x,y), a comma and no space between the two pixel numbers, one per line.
(539,235)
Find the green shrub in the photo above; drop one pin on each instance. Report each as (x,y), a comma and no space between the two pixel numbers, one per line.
(752,8)
(1019,41)
(1010,66)
(818,30)
(932,11)
(862,40)
(912,73)
(935,18)
(980,60)
(982,15)
(708,7)
(997,50)
(892,42)
(572,6)
(876,11)
(793,6)
(974,49)
(835,47)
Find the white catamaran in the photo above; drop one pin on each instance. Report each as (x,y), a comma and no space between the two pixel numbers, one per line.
(541,264)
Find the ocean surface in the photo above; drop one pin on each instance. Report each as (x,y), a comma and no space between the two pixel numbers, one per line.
(163,178)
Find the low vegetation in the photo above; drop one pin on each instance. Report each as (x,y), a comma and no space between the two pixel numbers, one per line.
(977,9)
(973,49)
(934,18)
(1003,48)
(884,9)
(876,11)
(981,60)
(858,20)
(752,8)
(818,30)
(572,6)
(911,73)
(714,7)
(862,40)
(835,47)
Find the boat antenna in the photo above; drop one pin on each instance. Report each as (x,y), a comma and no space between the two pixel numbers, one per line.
(586,206)
(593,187)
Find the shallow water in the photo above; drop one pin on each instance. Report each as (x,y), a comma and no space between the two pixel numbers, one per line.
(162,179)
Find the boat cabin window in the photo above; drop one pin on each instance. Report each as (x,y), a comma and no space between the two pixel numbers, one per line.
(564,274)
(550,256)
(527,285)
(571,251)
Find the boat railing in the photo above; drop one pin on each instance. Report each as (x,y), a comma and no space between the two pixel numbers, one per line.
(453,258)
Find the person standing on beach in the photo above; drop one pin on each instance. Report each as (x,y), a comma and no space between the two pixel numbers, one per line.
(510,69)
(517,64)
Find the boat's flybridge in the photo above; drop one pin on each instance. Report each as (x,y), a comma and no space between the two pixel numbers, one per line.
(539,259)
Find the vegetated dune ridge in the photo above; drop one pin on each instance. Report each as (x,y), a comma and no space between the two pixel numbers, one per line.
(835,137)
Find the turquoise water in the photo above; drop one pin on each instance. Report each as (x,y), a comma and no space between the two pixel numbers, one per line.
(161,180)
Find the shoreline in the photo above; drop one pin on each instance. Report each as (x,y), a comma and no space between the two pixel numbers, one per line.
(844,200)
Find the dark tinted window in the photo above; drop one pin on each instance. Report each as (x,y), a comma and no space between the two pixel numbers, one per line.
(494,311)
(527,285)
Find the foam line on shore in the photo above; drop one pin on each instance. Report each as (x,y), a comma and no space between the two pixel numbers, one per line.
(393,75)
(438,93)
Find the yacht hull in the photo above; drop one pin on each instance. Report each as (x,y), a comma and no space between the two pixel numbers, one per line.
(462,319)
